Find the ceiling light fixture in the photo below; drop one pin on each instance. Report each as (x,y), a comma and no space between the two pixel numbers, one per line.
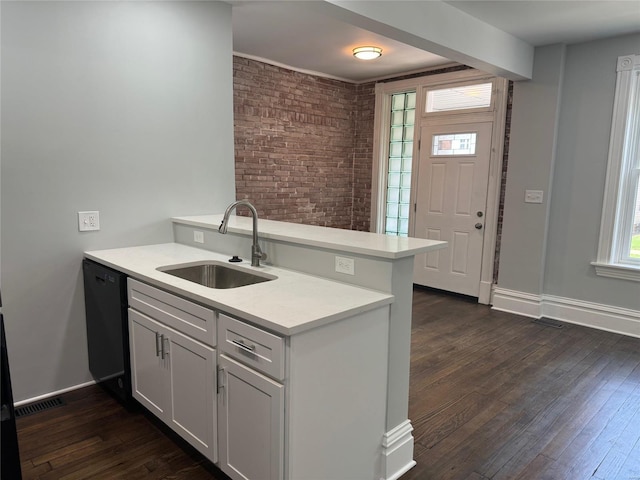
(367,53)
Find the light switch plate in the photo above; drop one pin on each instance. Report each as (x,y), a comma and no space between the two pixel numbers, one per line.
(345,265)
(533,196)
(88,221)
(198,236)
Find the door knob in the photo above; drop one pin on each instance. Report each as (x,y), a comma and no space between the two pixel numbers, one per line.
(478,226)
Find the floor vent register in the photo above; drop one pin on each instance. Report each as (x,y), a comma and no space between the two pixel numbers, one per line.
(547,322)
(38,407)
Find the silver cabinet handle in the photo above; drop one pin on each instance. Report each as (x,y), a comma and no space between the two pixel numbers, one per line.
(221,374)
(165,346)
(244,346)
(157,345)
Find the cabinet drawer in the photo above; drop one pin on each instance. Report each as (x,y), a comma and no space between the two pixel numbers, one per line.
(185,316)
(252,346)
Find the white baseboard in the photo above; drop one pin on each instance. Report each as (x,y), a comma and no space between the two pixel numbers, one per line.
(594,315)
(579,312)
(397,451)
(520,303)
(53,394)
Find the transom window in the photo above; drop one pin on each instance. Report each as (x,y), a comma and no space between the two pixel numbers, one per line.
(461,97)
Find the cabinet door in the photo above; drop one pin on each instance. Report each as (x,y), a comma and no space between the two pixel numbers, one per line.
(251,423)
(193,383)
(149,371)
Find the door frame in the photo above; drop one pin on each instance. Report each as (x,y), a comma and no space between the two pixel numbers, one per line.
(496,114)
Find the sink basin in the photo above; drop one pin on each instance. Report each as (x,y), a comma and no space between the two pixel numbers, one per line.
(216,275)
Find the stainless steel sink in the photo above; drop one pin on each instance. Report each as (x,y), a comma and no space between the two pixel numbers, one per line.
(216,275)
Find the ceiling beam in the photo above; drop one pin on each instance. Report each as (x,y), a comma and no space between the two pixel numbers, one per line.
(441,29)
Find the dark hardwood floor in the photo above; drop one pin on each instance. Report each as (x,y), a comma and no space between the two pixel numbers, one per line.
(496,396)
(93,437)
(493,396)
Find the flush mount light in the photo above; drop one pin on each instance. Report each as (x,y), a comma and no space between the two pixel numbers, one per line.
(367,53)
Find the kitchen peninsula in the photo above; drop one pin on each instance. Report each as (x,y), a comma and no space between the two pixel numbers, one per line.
(339,314)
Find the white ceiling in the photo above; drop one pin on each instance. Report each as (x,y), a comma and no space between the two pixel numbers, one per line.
(297,35)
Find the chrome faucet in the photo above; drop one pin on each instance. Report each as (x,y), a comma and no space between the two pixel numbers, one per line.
(256,253)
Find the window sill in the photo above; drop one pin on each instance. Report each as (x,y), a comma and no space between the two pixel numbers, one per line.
(624,272)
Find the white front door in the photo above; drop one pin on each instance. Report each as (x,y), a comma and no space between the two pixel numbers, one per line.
(451,199)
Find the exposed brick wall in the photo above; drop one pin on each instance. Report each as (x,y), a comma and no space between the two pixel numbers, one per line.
(503,180)
(363,156)
(294,144)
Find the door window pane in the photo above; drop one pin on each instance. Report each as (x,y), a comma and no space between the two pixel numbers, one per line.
(410,101)
(408,134)
(409,117)
(395,149)
(404,211)
(405,180)
(396,134)
(393,210)
(393,195)
(397,118)
(456,144)
(395,164)
(405,196)
(394,180)
(397,101)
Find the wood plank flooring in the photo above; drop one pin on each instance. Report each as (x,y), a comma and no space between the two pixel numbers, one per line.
(496,396)
(94,437)
(493,396)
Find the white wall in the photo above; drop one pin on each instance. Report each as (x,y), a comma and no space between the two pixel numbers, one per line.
(121,107)
(531,157)
(559,143)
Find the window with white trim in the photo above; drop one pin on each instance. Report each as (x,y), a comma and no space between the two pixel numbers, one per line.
(619,244)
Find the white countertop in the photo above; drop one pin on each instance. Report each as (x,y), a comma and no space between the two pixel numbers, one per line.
(291,304)
(365,243)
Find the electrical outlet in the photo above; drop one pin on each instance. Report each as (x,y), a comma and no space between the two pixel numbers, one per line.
(533,196)
(345,265)
(198,237)
(88,221)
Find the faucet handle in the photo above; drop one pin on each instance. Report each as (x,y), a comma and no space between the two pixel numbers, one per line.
(257,254)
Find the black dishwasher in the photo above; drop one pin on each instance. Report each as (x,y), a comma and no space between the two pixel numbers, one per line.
(105,299)
(10,453)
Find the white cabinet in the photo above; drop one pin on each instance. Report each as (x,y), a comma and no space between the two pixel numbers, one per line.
(174,376)
(194,320)
(332,381)
(303,407)
(256,348)
(149,370)
(250,404)
(251,423)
